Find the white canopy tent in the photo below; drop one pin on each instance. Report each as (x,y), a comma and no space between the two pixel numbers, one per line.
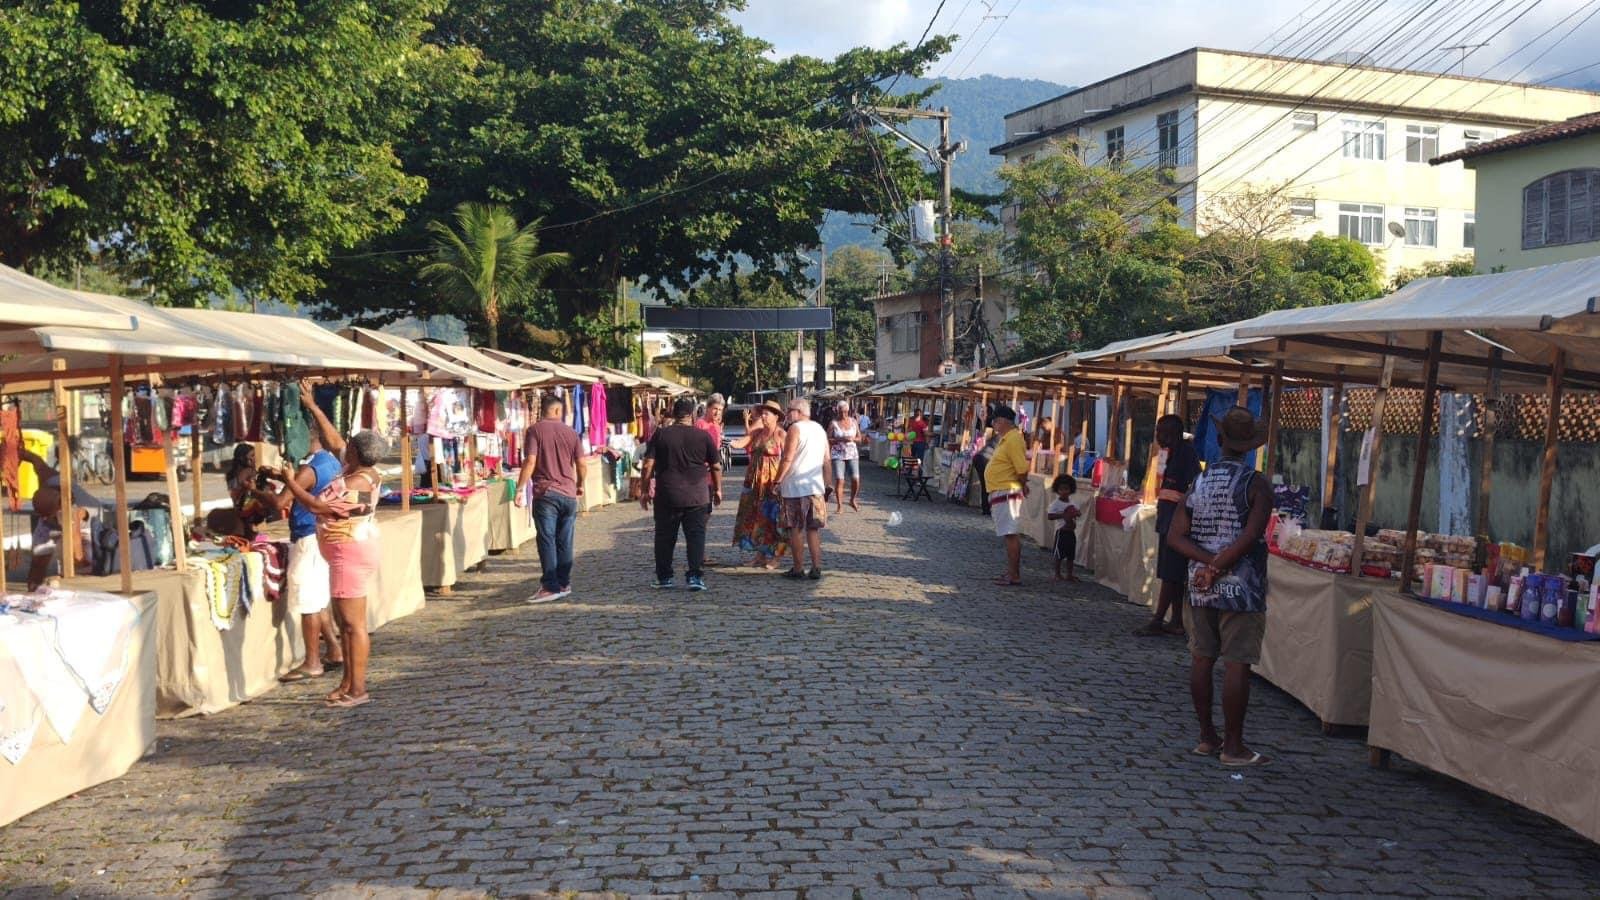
(477,359)
(28,302)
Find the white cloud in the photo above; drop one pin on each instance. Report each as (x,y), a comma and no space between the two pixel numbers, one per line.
(1077,42)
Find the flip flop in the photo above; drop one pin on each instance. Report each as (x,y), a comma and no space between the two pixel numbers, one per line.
(349,702)
(1256,759)
(1206,749)
(1006,582)
(294,675)
(796,575)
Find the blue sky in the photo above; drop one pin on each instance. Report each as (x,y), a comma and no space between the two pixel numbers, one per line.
(1077,41)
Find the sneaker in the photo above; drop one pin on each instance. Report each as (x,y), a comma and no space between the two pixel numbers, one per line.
(547,596)
(696,583)
(661,583)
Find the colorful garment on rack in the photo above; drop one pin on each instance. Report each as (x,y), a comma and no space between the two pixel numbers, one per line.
(10,450)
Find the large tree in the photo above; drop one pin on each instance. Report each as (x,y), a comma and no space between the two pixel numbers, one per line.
(209,149)
(658,143)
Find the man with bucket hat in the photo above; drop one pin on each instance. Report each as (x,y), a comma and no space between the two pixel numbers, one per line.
(1222,529)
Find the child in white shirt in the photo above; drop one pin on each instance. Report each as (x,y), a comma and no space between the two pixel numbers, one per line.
(1064,513)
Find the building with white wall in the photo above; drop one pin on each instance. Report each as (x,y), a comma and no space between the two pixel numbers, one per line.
(1344,147)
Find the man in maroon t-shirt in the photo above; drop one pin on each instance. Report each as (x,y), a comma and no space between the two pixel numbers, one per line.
(553,476)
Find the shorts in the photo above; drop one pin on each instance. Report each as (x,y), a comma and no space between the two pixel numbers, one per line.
(1229,636)
(810,513)
(842,467)
(306,588)
(1006,508)
(1066,544)
(1171,566)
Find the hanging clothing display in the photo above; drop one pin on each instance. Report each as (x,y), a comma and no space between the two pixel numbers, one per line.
(438,416)
(619,405)
(597,415)
(10,450)
(294,428)
(487,405)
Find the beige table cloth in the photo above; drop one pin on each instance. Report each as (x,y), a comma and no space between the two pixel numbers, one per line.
(454,538)
(103,747)
(1514,713)
(1318,644)
(1124,561)
(510,526)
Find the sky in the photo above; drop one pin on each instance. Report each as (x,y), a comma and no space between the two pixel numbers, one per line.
(1079,41)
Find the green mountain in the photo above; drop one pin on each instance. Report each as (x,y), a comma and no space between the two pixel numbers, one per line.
(978,107)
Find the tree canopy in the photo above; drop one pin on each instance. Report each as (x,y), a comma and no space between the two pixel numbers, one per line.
(208,150)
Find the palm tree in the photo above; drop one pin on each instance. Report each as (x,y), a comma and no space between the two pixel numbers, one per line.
(486,261)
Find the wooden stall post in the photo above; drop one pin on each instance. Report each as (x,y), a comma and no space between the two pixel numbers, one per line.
(1489,420)
(1083,434)
(1151,483)
(195,468)
(1272,400)
(180,541)
(1114,432)
(1243,397)
(405,455)
(119,462)
(1330,472)
(1369,492)
(1547,471)
(1057,431)
(1430,399)
(1038,444)
(70,532)
(1183,401)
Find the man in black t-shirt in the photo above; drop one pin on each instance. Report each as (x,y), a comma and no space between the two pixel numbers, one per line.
(1183,467)
(676,464)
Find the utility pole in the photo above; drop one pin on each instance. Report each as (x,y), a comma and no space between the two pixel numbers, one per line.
(821,376)
(941,156)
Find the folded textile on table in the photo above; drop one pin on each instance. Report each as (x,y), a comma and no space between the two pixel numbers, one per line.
(94,633)
(20,713)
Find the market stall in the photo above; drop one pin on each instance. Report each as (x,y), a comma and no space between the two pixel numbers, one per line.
(79,689)
(1318,645)
(1510,711)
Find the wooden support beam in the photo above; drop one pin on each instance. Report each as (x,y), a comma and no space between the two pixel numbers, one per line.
(1547,471)
(1330,472)
(180,541)
(71,534)
(1272,401)
(1489,423)
(195,468)
(1430,401)
(1114,427)
(405,455)
(1183,401)
(1151,483)
(1242,398)
(119,463)
(1369,490)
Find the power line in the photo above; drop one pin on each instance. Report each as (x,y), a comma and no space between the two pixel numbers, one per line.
(936,10)
(994,31)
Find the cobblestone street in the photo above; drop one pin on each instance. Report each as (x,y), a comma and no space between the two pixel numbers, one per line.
(901,727)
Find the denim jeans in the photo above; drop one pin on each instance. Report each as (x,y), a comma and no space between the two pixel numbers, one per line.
(555,517)
(693,521)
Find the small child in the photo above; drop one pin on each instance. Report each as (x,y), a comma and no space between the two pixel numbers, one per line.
(1064,513)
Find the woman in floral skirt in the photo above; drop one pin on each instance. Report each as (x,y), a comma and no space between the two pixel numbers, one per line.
(756,527)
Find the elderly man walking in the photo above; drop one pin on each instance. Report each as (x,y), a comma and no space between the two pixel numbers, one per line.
(803,484)
(1005,480)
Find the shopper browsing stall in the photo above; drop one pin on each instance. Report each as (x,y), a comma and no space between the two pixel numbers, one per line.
(307,580)
(1005,481)
(1172,568)
(1221,528)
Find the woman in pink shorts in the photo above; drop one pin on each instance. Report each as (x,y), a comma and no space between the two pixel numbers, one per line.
(348,536)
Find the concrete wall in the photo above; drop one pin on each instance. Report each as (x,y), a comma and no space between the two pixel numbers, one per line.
(1575,500)
(1501,178)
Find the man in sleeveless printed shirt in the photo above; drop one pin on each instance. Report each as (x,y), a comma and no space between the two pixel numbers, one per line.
(1221,528)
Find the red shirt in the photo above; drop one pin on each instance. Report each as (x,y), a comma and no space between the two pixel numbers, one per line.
(711,428)
(919,427)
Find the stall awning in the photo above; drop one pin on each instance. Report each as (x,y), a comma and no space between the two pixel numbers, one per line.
(488,365)
(27,302)
(176,342)
(562,372)
(433,369)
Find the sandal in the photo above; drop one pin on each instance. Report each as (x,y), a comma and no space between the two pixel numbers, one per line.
(795,574)
(1207,748)
(298,674)
(1007,582)
(348,702)
(1255,759)
(335,696)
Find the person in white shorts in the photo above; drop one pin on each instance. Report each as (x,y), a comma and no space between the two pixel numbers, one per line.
(307,591)
(1005,480)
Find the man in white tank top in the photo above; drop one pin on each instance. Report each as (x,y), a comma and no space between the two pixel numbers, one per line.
(803,483)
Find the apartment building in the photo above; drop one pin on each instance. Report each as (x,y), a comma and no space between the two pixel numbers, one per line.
(1343,147)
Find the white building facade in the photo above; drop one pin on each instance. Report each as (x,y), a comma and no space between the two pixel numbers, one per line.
(1344,148)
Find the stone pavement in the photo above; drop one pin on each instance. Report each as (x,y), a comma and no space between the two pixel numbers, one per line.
(900,728)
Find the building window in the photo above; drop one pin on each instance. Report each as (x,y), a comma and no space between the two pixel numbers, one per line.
(1167,134)
(1305,121)
(1472,137)
(1561,209)
(1422,143)
(1362,222)
(1026,158)
(1365,139)
(1469,230)
(1114,144)
(1303,207)
(905,333)
(1422,227)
